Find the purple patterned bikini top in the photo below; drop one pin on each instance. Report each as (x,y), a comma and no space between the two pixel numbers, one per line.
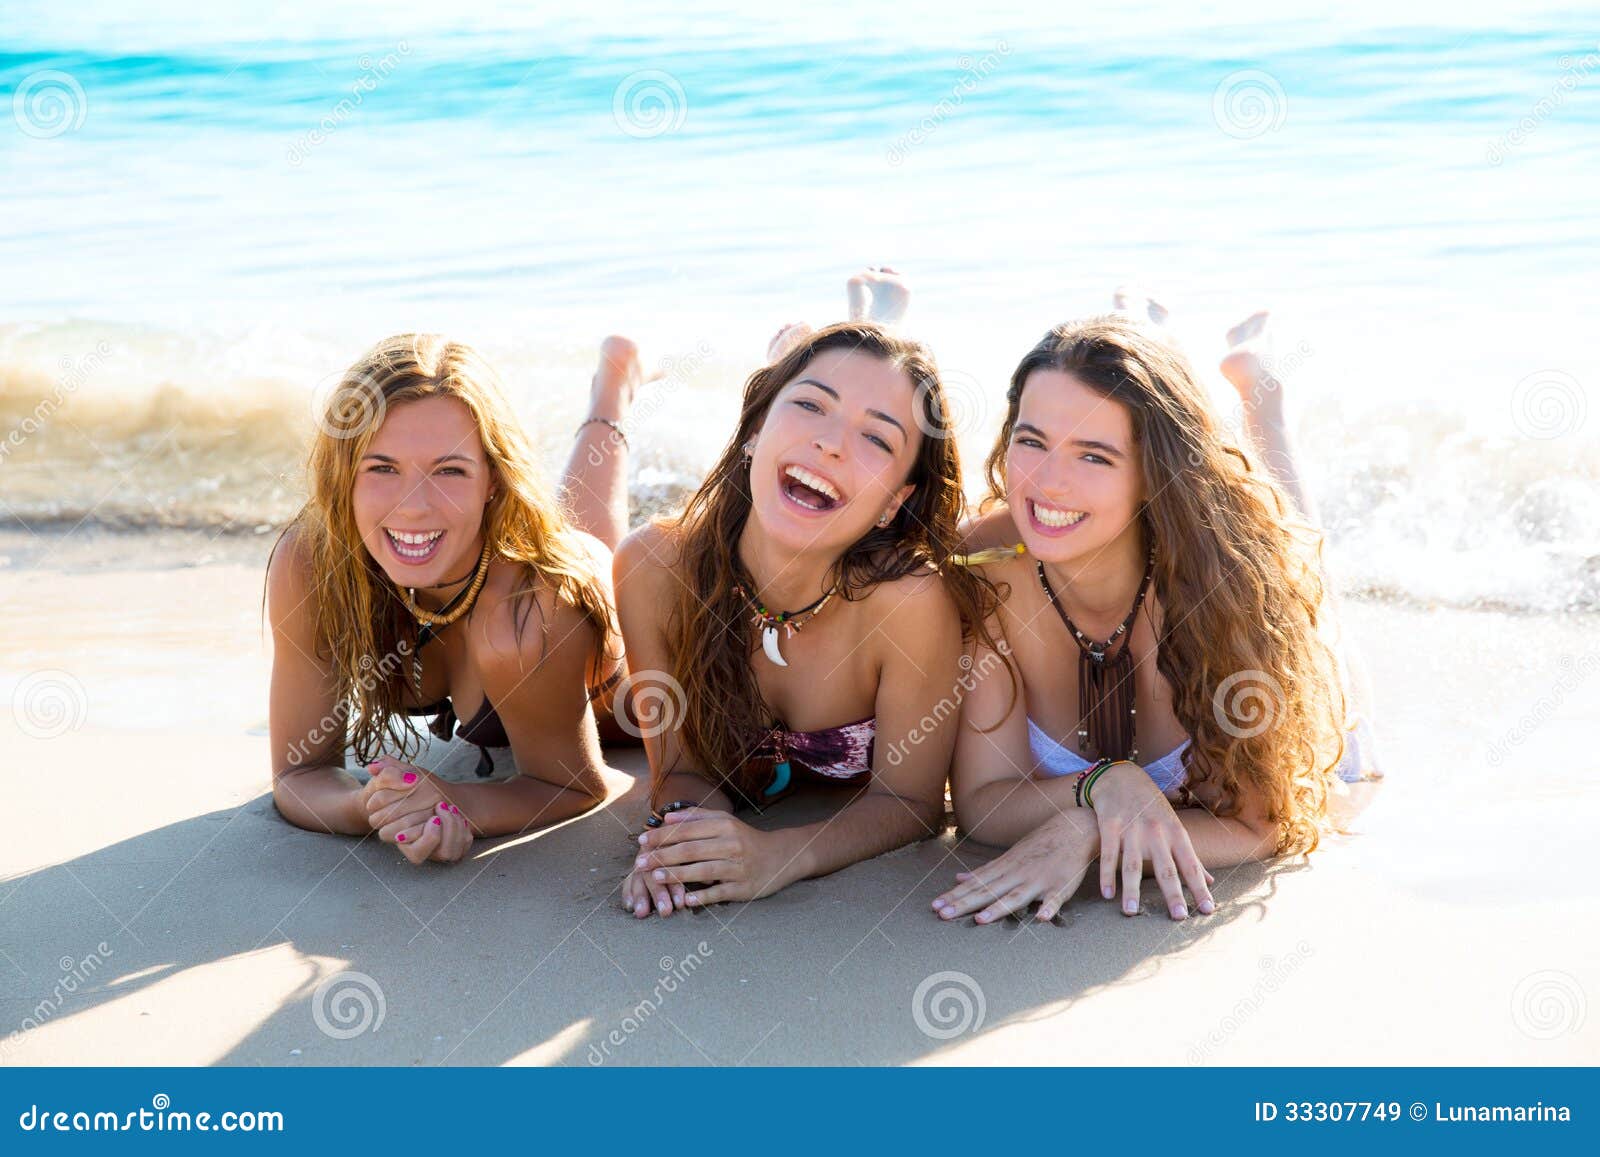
(841,754)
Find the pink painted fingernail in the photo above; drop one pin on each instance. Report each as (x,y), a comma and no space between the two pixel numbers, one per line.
(435,820)
(410,777)
(401,838)
(455,809)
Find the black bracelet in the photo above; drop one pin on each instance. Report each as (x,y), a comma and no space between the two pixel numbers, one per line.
(657,818)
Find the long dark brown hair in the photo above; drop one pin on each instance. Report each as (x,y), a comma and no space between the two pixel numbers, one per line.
(709,630)
(1238,575)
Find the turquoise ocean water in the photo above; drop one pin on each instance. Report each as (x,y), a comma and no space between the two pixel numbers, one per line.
(206,214)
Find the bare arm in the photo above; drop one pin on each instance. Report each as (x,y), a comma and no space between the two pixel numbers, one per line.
(644,584)
(310,785)
(919,680)
(538,680)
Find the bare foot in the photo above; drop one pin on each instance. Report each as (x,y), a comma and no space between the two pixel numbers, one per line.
(616,380)
(878,294)
(1130,301)
(1245,365)
(1249,329)
(786,339)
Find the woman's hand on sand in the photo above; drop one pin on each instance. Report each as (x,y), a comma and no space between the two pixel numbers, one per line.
(397,790)
(1137,823)
(641,894)
(712,857)
(443,837)
(1046,865)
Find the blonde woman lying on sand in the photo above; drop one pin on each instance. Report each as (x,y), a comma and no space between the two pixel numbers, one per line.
(1130,516)
(432,573)
(801,605)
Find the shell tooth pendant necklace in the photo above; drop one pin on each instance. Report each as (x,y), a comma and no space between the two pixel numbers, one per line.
(772,622)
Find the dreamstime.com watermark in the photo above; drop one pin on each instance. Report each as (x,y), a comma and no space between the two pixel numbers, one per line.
(159,1118)
(674,973)
(334,724)
(348,1004)
(675,372)
(48,704)
(73,375)
(74,974)
(1574,673)
(649,103)
(947,1005)
(373,74)
(1275,973)
(1247,703)
(1548,404)
(973,72)
(1573,73)
(49,103)
(1249,103)
(1548,1004)
(948,706)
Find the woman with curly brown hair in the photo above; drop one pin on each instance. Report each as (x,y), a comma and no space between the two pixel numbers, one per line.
(799,623)
(1182,707)
(431,567)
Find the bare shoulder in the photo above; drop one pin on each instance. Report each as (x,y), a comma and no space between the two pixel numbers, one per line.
(597,553)
(646,557)
(521,621)
(993,528)
(912,605)
(290,584)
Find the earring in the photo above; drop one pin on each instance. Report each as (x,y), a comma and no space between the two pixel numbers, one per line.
(885,519)
(749,451)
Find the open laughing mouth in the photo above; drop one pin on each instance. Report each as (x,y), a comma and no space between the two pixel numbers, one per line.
(1053,520)
(809,490)
(413,547)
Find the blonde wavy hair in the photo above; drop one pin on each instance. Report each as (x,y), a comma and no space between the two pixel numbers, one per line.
(362,623)
(1238,574)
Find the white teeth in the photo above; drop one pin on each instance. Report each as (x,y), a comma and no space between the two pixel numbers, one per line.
(817,483)
(421,545)
(1053,517)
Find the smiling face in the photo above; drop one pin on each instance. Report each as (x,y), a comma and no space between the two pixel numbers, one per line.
(420,490)
(1073,480)
(834,450)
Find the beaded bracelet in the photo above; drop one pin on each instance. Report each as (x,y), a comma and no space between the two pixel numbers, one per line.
(1087,779)
(620,434)
(659,817)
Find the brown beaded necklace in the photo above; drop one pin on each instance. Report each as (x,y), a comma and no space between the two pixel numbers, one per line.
(1106,710)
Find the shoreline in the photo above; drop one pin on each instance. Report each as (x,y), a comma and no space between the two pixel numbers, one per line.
(1458,927)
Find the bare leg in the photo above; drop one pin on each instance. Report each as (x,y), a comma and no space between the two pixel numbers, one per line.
(786,339)
(1262,397)
(1131,301)
(878,293)
(594,486)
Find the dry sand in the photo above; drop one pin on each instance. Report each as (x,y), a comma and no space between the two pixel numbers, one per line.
(1459,928)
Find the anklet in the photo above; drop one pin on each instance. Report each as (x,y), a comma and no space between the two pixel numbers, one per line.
(615,426)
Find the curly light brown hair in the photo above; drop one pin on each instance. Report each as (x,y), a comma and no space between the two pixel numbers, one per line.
(1238,575)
